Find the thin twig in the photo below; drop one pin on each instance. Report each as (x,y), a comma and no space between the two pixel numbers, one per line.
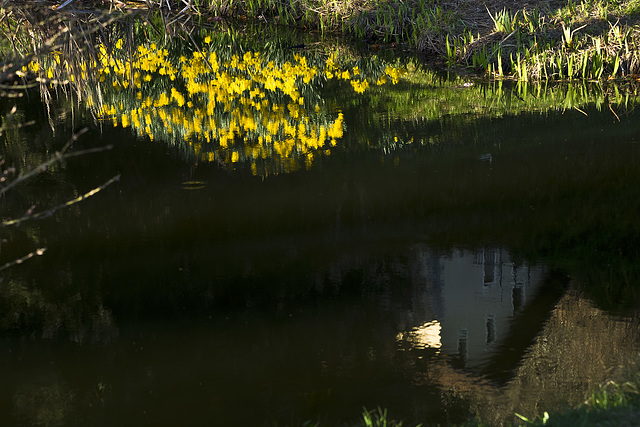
(614,113)
(206,60)
(62,5)
(39,251)
(57,157)
(49,212)
(579,110)
(17,87)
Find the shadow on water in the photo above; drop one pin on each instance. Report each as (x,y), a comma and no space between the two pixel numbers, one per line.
(298,234)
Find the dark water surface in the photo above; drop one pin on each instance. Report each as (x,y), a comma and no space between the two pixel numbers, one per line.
(485,268)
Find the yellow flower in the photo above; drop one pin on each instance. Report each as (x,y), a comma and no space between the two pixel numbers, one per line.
(177,96)
(359,86)
(336,130)
(382,80)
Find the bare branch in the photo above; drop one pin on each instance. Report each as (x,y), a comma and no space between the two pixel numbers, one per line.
(23,259)
(49,212)
(57,157)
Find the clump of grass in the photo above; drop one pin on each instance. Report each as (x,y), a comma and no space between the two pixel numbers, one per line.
(614,395)
(613,403)
(528,45)
(504,22)
(379,418)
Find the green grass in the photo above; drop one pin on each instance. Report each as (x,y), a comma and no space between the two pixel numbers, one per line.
(614,404)
(592,40)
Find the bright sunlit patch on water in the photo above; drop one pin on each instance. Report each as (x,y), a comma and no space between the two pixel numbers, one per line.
(426,335)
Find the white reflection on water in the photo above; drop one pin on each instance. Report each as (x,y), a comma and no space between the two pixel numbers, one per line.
(469,302)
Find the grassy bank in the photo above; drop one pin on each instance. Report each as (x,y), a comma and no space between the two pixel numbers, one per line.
(613,404)
(525,40)
(593,39)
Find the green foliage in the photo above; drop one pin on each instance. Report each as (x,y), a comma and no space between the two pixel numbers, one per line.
(533,20)
(379,418)
(568,37)
(632,8)
(614,403)
(545,39)
(504,22)
(543,419)
(614,395)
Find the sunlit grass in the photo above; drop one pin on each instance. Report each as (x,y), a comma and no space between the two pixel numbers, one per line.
(571,42)
(593,39)
(612,404)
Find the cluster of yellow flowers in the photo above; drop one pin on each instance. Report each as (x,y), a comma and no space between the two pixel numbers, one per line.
(240,108)
(145,62)
(55,68)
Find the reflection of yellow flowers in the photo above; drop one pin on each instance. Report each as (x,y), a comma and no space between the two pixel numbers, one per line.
(177,96)
(394,73)
(243,109)
(359,86)
(336,130)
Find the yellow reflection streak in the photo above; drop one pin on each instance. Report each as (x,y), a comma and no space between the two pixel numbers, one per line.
(425,336)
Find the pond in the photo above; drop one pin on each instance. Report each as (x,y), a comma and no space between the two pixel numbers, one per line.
(289,233)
